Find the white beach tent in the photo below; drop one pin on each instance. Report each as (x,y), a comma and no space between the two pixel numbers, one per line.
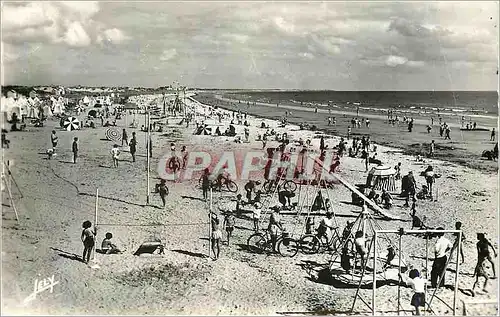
(382,177)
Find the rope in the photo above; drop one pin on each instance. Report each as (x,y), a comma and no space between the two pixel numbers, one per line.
(152,225)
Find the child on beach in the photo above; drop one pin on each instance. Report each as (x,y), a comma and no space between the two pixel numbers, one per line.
(108,247)
(256,217)
(483,251)
(115,153)
(132,145)
(418,285)
(458,226)
(360,244)
(162,189)
(228,224)
(205,183)
(54,139)
(88,239)
(74,148)
(216,236)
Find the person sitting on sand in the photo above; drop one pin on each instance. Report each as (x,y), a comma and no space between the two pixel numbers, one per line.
(107,247)
(386,199)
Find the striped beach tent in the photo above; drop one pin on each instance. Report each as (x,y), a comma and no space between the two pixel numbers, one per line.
(382,177)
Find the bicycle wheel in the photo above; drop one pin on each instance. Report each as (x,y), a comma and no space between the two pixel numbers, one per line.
(290,186)
(288,247)
(257,243)
(309,244)
(232,187)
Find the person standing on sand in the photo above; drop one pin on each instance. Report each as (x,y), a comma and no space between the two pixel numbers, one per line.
(75,149)
(216,235)
(483,251)
(115,153)
(411,187)
(348,132)
(458,226)
(205,183)
(88,239)
(432,149)
(418,285)
(54,138)
(447,133)
(162,189)
(492,137)
(184,154)
(124,137)
(397,168)
(228,224)
(441,248)
(132,145)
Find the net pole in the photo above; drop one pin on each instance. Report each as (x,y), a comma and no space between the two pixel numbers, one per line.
(457,274)
(148,139)
(95,219)
(210,224)
(399,273)
(374,307)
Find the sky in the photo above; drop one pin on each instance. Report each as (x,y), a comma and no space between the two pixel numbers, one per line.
(276,45)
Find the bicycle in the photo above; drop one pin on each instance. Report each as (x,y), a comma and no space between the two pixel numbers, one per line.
(230,185)
(286,246)
(313,243)
(269,186)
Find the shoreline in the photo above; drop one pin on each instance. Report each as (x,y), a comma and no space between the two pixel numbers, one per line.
(465,150)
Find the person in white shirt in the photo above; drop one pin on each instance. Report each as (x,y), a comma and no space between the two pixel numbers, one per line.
(115,153)
(325,227)
(256,216)
(418,285)
(441,248)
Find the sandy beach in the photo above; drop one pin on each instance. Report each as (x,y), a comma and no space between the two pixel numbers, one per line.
(57,196)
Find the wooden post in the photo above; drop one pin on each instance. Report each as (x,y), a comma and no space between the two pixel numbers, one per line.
(457,272)
(374,307)
(210,225)
(426,267)
(7,184)
(148,138)
(95,220)
(399,270)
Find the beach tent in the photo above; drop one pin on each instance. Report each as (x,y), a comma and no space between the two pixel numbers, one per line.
(382,177)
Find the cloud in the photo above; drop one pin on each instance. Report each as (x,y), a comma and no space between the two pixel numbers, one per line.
(68,22)
(393,60)
(306,55)
(347,45)
(114,36)
(76,35)
(168,54)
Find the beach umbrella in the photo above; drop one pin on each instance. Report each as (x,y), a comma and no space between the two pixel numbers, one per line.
(113,134)
(71,123)
(92,113)
(204,130)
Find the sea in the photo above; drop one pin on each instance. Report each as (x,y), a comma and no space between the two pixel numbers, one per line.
(475,103)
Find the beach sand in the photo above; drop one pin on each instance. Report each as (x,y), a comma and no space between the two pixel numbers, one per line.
(58,197)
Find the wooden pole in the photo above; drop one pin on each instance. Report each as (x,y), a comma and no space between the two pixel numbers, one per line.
(426,266)
(10,197)
(95,220)
(210,225)
(148,138)
(374,307)
(399,271)
(457,272)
